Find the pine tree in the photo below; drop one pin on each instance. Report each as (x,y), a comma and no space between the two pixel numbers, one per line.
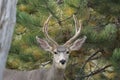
(31,15)
(110,9)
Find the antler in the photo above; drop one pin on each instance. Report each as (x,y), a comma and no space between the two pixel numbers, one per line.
(78,25)
(45,30)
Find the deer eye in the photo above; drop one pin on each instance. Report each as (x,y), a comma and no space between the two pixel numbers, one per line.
(67,52)
(55,52)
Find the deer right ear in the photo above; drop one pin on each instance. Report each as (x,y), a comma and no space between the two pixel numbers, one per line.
(78,43)
(43,44)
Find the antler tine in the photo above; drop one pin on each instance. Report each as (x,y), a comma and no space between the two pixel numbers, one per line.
(45,30)
(78,26)
(76,23)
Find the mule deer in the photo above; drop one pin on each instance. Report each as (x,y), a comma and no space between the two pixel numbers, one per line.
(60,57)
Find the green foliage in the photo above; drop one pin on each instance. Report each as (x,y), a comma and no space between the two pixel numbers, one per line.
(116,59)
(27,57)
(15,48)
(30,39)
(27,20)
(107,34)
(106,7)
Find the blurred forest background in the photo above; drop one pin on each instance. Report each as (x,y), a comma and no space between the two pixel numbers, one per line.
(98,59)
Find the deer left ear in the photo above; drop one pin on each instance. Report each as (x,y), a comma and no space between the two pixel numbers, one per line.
(78,44)
(43,44)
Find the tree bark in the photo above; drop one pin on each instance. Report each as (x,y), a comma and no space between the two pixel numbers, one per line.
(7,23)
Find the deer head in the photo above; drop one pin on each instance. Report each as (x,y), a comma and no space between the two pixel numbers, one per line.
(61,52)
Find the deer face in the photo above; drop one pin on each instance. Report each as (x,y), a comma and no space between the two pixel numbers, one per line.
(61,52)
(60,56)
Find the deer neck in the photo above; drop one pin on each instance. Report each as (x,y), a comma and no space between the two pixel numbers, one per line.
(55,73)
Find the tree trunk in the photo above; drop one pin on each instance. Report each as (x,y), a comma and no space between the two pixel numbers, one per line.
(7,23)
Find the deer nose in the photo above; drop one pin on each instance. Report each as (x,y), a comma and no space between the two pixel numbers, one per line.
(62,61)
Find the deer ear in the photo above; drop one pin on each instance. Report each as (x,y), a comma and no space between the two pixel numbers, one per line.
(43,44)
(77,44)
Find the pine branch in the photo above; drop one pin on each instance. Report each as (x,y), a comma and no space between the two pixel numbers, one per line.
(82,75)
(92,73)
(96,71)
(90,58)
(53,14)
(60,21)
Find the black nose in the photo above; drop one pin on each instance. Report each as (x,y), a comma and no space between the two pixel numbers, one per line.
(62,61)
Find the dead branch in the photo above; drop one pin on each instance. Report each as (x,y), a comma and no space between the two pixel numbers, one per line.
(91,58)
(97,71)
